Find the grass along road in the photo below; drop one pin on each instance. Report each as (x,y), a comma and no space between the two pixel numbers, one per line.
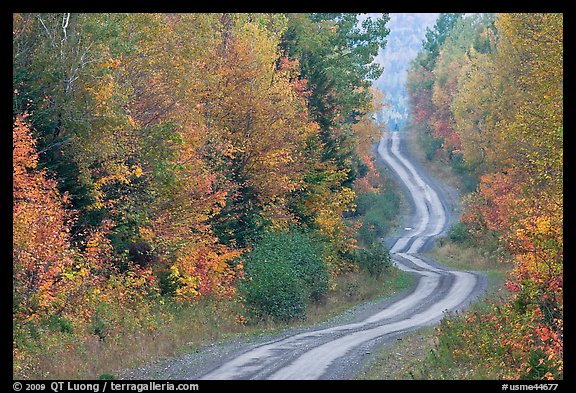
(338,351)
(418,355)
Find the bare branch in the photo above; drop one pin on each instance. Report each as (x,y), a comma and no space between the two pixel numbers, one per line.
(46,29)
(61,143)
(65,20)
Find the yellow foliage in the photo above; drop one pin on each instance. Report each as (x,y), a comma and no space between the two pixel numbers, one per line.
(137,170)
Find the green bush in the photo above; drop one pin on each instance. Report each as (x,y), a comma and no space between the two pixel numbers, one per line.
(377,211)
(99,325)
(459,233)
(385,203)
(430,144)
(283,272)
(466,174)
(60,324)
(375,260)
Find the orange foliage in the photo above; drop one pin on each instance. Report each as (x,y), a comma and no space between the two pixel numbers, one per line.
(41,249)
(372,181)
(494,204)
(50,277)
(509,114)
(530,226)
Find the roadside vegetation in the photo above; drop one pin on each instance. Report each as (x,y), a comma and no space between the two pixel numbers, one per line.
(428,353)
(169,168)
(181,177)
(185,178)
(174,328)
(487,102)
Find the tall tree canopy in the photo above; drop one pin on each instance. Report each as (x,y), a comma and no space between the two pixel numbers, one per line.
(153,151)
(497,99)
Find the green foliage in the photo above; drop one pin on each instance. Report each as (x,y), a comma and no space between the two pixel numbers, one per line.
(497,104)
(275,292)
(466,174)
(539,366)
(375,260)
(434,78)
(376,211)
(283,272)
(488,342)
(435,37)
(336,55)
(175,141)
(167,285)
(239,222)
(459,233)
(99,325)
(336,52)
(60,324)
(430,144)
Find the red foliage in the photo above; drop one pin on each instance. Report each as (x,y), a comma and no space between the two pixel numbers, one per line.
(529,223)
(421,95)
(494,206)
(41,248)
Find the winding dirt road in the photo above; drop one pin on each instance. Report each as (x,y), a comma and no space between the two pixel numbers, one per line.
(337,352)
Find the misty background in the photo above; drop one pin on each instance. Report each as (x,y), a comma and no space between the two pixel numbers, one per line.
(407,31)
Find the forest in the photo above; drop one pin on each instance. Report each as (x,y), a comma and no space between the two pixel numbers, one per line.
(486,94)
(162,160)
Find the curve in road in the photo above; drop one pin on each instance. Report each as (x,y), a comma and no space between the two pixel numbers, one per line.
(309,355)
(315,354)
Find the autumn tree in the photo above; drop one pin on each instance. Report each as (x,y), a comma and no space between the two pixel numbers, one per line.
(41,250)
(489,90)
(508,113)
(368,132)
(336,53)
(67,79)
(158,149)
(178,139)
(421,79)
(260,121)
(453,54)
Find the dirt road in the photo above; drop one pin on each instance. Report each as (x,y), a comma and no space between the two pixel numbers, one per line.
(337,350)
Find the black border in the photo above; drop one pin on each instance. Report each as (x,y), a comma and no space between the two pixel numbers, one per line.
(380,6)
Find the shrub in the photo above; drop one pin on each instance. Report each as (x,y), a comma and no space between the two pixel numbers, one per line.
(466,174)
(430,144)
(375,260)
(60,324)
(377,211)
(283,272)
(459,233)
